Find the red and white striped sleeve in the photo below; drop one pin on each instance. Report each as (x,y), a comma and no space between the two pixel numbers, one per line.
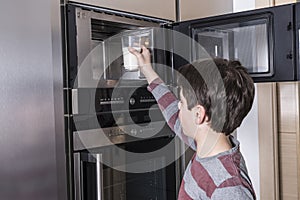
(168,104)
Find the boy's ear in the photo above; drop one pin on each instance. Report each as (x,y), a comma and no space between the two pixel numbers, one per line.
(200,114)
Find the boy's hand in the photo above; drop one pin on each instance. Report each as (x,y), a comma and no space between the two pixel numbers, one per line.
(144,60)
(143,57)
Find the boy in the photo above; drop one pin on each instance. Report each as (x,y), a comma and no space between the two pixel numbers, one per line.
(207,113)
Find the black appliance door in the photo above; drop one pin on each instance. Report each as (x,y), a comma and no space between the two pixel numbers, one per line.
(262,40)
(107,174)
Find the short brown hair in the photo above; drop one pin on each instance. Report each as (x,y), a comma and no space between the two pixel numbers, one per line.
(231,94)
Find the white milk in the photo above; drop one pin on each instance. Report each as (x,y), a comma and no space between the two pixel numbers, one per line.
(130,60)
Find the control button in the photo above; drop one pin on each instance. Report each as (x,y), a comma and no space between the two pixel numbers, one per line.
(132,101)
(133,131)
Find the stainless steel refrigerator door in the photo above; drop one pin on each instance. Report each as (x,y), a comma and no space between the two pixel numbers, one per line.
(31,102)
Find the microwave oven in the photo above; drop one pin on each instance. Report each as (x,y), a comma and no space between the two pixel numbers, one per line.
(265,41)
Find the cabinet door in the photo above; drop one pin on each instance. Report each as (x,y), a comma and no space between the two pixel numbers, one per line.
(288,124)
(268,3)
(281,2)
(162,9)
(193,9)
(268,141)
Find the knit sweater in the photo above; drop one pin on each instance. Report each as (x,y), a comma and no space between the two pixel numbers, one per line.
(223,176)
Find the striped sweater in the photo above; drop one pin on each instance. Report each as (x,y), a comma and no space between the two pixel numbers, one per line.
(223,176)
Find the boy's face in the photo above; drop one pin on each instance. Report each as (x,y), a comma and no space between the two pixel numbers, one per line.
(187,117)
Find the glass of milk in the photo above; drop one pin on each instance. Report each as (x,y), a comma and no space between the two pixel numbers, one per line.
(130,60)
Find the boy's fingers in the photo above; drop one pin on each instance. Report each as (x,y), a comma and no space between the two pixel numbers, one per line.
(133,51)
(137,54)
(144,49)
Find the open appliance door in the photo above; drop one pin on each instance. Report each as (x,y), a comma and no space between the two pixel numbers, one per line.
(263,40)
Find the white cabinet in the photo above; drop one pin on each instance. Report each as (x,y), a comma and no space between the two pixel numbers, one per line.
(268,3)
(193,9)
(281,2)
(157,8)
(263,3)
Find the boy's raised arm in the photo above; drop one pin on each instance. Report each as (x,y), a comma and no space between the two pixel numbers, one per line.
(167,101)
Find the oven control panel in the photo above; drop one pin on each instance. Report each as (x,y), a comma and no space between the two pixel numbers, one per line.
(97,100)
(113,107)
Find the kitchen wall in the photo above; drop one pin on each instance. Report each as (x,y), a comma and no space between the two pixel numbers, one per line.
(243,5)
(247,134)
(193,9)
